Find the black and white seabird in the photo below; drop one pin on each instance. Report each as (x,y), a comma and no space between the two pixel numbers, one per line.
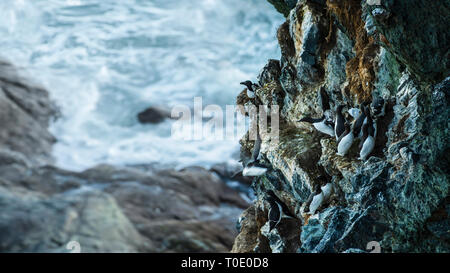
(253,167)
(324,100)
(316,191)
(277,209)
(251,88)
(339,125)
(365,133)
(369,140)
(346,131)
(321,195)
(346,142)
(321,124)
(357,125)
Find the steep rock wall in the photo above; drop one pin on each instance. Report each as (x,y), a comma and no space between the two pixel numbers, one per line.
(357,52)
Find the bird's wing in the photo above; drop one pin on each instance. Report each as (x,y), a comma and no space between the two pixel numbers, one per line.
(256,147)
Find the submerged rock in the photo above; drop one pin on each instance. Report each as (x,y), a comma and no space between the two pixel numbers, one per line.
(154,115)
(398,197)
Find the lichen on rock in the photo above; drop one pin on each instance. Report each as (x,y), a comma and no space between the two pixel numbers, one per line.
(398,197)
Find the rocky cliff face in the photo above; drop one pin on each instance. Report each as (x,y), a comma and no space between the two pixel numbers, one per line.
(357,52)
(106,208)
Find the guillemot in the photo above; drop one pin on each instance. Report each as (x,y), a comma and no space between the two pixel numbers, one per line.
(346,131)
(321,124)
(324,102)
(339,125)
(251,88)
(321,196)
(346,142)
(277,210)
(357,125)
(368,136)
(253,167)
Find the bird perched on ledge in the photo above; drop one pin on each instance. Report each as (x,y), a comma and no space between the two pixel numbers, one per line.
(251,88)
(253,167)
(368,139)
(277,209)
(322,124)
(339,125)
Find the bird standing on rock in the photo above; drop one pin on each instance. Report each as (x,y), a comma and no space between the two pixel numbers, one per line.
(251,88)
(339,125)
(321,124)
(277,210)
(357,125)
(346,142)
(368,137)
(253,167)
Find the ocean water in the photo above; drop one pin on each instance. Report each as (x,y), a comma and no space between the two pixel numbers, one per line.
(104,61)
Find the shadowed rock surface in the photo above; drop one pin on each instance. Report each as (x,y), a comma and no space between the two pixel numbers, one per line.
(355,52)
(105,208)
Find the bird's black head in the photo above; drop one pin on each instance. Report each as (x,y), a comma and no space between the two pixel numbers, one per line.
(248,84)
(339,108)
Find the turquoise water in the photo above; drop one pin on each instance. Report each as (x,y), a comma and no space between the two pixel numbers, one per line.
(103,61)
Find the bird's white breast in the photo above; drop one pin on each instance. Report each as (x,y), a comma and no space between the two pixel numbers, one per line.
(327,190)
(345,144)
(315,203)
(322,127)
(254,171)
(367,147)
(250,94)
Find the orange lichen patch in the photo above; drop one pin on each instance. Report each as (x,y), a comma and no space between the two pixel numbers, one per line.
(361,69)
(306,219)
(384,40)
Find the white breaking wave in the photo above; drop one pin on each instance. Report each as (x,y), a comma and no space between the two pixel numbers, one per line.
(103,61)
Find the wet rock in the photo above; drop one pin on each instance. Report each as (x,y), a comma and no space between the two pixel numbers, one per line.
(154,115)
(25,112)
(166,211)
